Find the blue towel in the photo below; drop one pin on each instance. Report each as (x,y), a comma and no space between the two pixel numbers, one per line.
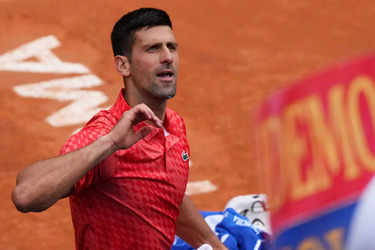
(233,229)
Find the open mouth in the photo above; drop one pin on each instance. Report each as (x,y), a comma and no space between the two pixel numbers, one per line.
(166,75)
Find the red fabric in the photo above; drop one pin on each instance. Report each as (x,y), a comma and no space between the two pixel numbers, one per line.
(131,199)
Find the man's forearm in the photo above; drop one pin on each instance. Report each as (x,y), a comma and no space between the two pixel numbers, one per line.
(193,229)
(43,183)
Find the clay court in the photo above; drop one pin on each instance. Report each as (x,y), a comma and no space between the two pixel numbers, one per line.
(233,55)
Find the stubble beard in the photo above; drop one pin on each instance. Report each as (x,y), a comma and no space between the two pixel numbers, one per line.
(163,93)
(162,90)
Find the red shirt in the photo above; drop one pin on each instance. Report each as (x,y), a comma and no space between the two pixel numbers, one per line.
(131,199)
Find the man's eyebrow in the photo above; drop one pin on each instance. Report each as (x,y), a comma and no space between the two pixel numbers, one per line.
(151,44)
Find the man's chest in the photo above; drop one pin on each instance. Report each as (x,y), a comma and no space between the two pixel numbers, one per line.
(160,159)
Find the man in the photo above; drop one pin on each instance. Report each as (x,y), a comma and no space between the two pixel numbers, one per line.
(126,171)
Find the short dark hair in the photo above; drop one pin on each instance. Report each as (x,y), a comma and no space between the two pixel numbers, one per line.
(122,35)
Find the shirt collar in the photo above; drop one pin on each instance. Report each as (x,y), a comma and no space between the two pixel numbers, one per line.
(121,106)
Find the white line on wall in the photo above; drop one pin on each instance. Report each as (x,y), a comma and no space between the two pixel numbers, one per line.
(199,187)
(41,50)
(85,102)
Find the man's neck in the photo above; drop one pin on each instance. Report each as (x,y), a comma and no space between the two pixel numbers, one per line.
(156,105)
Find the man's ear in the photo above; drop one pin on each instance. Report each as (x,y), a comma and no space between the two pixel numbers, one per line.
(122,65)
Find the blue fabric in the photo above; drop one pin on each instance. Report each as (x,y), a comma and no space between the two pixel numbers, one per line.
(234,230)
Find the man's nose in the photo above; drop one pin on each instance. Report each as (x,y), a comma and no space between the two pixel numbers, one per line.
(166,55)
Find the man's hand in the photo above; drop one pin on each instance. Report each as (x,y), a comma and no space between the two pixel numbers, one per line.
(123,136)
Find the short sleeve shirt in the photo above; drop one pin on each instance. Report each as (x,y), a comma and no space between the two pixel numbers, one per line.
(131,199)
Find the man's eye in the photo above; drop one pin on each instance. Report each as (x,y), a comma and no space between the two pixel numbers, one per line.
(152,48)
(172,47)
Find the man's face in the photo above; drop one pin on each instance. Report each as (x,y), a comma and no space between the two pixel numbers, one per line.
(154,62)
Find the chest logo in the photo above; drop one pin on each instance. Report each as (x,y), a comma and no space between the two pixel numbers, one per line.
(185,156)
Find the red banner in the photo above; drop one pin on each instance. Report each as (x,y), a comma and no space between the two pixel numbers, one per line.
(316,142)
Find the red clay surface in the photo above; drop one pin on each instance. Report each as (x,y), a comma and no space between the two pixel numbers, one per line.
(233,55)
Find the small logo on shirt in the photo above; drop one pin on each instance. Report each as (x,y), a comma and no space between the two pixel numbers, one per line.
(185,156)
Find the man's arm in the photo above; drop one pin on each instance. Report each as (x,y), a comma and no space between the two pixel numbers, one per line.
(43,183)
(193,229)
